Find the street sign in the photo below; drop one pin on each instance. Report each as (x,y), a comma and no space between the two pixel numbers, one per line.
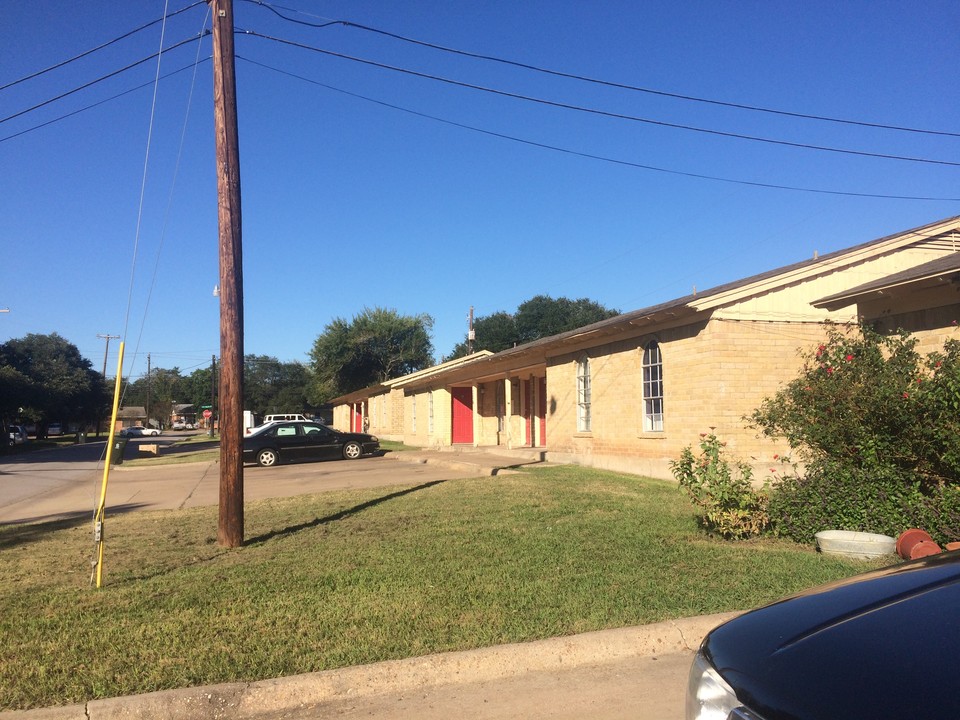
(207,413)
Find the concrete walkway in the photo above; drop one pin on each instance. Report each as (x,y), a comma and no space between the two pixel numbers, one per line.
(637,672)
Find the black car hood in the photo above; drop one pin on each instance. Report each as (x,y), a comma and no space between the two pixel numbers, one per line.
(885,644)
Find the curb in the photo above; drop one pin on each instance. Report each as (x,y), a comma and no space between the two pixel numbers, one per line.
(290,694)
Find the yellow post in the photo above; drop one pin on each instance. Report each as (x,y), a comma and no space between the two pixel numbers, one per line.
(101,506)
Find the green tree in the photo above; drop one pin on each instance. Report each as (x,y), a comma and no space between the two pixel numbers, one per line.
(542,316)
(271,386)
(377,345)
(492,332)
(539,317)
(47,377)
(159,391)
(878,429)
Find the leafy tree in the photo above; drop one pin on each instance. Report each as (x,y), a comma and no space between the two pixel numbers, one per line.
(492,332)
(159,391)
(377,345)
(47,377)
(878,429)
(539,317)
(271,386)
(542,316)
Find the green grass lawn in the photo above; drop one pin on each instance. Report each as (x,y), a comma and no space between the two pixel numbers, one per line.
(345,578)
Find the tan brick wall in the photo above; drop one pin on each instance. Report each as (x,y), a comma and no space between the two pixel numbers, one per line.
(713,376)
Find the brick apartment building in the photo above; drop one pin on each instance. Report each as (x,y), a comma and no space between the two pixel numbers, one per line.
(628,393)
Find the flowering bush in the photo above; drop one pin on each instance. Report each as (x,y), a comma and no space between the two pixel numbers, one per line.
(878,428)
(726,501)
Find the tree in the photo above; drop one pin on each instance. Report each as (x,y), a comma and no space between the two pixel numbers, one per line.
(539,317)
(492,332)
(271,386)
(377,345)
(46,376)
(542,316)
(161,390)
(878,428)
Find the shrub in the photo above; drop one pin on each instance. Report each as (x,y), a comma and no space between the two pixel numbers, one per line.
(878,428)
(725,500)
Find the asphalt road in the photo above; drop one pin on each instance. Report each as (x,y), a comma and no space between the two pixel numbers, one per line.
(66,482)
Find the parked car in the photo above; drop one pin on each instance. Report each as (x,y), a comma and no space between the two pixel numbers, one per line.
(178,425)
(18,434)
(139,431)
(54,428)
(879,645)
(278,442)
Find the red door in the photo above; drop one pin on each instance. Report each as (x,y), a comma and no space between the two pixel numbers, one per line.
(462,430)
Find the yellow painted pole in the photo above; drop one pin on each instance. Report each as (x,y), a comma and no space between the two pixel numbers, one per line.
(101,506)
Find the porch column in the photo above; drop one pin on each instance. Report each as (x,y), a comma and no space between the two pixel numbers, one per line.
(476,413)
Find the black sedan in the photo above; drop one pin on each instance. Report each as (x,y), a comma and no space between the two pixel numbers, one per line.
(288,441)
(879,645)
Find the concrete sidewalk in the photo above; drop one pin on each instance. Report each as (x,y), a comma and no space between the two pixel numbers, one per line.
(637,672)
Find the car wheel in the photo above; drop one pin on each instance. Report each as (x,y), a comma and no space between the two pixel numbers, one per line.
(352,450)
(268,457)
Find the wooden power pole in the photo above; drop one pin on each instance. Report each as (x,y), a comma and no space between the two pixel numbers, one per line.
(230,527)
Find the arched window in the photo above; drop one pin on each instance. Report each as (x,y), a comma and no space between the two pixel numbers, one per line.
(652,388)
(583,394)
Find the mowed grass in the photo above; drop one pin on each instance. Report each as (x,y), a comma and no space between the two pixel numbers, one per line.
(345,578)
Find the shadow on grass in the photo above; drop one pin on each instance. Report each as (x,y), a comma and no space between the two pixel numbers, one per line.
(340,515)
(26,530)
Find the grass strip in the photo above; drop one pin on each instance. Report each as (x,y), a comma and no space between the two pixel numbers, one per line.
(345,578)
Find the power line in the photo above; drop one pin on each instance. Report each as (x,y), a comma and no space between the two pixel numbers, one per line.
(117,39)
(594,111)
(105,77)
(597,81)
(601,158)
(98,103)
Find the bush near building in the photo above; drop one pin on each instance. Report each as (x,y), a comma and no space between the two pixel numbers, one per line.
(877,428)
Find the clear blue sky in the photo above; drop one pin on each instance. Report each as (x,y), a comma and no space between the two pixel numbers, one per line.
(364,186)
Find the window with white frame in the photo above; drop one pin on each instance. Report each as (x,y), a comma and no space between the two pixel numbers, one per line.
(652,388)
(583,394)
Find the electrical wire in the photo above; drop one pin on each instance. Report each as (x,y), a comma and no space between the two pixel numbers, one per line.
(601,158)
(102,78)
(173,184)
(597,81)
(594,111)
(96,104)
(61,64)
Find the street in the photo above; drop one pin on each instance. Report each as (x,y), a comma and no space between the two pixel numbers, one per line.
(66,482)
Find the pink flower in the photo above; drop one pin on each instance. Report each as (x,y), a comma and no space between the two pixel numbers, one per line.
(906,395)
(829,371)
(849,358)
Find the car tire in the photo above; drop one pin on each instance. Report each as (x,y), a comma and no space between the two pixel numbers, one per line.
(352,450)
(268,457)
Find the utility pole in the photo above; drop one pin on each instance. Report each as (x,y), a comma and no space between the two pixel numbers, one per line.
(471,335)
(148,389)
(230,527)
(213,393)
(106,350)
